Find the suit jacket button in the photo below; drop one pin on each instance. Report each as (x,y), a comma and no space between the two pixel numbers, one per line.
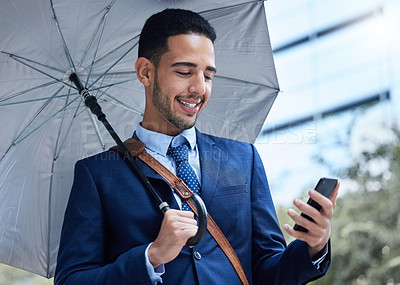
(197,255)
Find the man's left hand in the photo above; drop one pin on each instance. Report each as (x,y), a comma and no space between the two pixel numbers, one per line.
(319,231)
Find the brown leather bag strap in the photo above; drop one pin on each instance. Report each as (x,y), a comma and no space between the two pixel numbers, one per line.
(136,148)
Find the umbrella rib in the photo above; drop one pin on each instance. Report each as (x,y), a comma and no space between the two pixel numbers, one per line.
(96,31)
(130,72)
(12,96)
(96,128)
(116,62)
(13,56)
(47,120)
(57,151)
(112,84)
(20,60)
(121,105)
(66,50)
(68,130)
(246,81)
(56,155)
(36,100)
(49,216)
(102,24)
(59,130)
(18,139)
(117,48)
(234,5)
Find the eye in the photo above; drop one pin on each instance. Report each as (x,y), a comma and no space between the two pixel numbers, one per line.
(183,73)
(208,77)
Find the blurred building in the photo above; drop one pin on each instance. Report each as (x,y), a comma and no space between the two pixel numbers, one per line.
(338,66)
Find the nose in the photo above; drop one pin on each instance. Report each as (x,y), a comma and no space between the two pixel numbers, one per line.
(198,84)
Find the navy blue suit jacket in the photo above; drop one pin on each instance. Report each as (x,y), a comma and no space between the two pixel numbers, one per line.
(111,219)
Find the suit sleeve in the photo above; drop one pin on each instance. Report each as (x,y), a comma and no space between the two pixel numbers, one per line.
(83,245)
(273,261)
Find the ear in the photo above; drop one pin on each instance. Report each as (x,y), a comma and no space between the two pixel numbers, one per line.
(144,70)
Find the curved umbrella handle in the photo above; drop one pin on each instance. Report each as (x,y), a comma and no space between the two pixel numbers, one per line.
(202,220)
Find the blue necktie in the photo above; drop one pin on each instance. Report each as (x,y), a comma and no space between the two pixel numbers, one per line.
(183,169)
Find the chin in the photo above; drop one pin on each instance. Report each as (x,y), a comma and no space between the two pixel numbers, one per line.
(184,124)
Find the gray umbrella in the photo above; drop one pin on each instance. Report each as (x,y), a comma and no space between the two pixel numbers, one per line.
(45,126)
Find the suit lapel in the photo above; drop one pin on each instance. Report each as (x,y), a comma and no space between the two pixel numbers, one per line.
(209,164)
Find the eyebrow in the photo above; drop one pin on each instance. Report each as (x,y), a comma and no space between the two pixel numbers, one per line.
(191,64)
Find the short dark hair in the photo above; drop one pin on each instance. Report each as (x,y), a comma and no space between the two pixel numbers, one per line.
(153,42)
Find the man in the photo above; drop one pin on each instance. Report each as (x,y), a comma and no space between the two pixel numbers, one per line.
(113,231)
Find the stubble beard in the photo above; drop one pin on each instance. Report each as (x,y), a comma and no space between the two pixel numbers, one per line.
(163,104)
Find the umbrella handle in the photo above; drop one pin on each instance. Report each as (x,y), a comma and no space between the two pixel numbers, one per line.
(202,220)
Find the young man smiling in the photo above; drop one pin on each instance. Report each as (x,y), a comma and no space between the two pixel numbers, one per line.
(185,72)
(113,231)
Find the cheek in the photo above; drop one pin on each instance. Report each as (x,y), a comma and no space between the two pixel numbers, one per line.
(175,89)
(164,82)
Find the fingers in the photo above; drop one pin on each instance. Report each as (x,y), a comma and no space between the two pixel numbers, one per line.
(181,225)
(321,218)
(318,232)
(176,228)
(319,228)
(184,214)
(316,241)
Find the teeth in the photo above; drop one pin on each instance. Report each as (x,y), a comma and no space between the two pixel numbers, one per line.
(187,104)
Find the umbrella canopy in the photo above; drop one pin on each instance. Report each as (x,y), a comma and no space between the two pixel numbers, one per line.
(45,126)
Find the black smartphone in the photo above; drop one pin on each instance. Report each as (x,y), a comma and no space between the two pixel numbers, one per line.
(324,186)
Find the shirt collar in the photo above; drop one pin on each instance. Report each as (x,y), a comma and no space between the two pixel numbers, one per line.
(159,142)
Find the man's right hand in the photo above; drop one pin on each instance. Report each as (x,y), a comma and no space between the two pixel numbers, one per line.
(176,228)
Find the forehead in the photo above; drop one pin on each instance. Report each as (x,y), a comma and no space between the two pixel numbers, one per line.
(190,48)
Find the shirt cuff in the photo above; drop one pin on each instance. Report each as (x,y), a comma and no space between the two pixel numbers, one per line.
(154,273)
(320,257)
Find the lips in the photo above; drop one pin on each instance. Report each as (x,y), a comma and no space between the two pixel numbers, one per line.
(190,106)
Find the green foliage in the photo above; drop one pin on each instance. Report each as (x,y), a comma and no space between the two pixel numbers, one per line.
(366,223)
(366,247)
